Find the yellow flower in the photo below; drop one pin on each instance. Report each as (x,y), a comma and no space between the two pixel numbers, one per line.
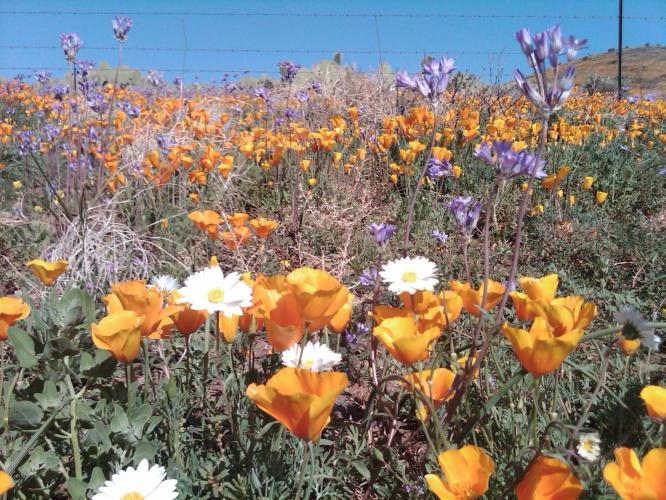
(456,170)
(548,479)
(537,209)
(299,399)
(434,385)
(206,220)
(601,197)
(146,302)
(238,219)
(12,309)
(47,272)
(654,397)
(119,333)
(587,183)
(472,298)
(6,482)
(635,480)
(17,185)
(312,182)
(401,337)
(540,350)
(541,290)
(262,227)
(466,472)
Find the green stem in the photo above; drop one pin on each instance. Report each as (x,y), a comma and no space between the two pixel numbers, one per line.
(8,398)
(533,433)
(614,329)
(128,383)
(301,474)
(204,374)
(73,431)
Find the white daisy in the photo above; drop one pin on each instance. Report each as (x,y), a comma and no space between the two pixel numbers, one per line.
(410,274)
(144,483)
(635,327)
(588,446)
(210,290)
(164,283)
(316,357)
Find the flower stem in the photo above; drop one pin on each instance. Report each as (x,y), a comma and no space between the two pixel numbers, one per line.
(301,474)
(424,169)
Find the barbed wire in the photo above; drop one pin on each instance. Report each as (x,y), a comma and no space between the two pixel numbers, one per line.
(159,70)
(325,14)
(270,51)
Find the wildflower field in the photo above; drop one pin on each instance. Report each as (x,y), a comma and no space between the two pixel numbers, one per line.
(332,285)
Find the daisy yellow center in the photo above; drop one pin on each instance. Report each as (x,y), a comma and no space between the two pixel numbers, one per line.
(409,276)
(216,295)
(132,495)
(586,444)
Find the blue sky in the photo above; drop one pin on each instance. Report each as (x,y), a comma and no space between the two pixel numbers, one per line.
(488,41)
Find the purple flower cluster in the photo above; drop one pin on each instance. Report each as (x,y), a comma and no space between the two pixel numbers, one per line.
(440,236)
(368,276)
(466,212)
(432,81)
(27,142)
(381,232)
(155,78)
(121,26)
(438,169)
(71,43)
(288,71)
(548,46)
(507,163)
(43,77)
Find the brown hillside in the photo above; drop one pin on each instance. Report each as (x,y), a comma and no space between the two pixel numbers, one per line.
(643,69)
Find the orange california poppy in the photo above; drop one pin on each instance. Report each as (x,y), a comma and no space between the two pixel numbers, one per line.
(466,474)
(472,298)
(635,480)
(548,479)
(299,399)
(654,397)
(47,272)
(119,333)
(12,309)
(401,337)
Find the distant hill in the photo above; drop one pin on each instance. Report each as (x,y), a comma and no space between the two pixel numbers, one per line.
(643,69)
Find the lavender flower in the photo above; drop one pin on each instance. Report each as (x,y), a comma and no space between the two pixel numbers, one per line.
(96,102)
(466,212)
(51,131)
(155,78)
(27,143)
(432,81)
(507,163)
(288,71)
(548,46)
(316,85)
(352,332)
(301,95)
(440,236)
(121,26)
(368,276)
(438,169)
(43,77)
(262,92)
(71,43)
(381,232)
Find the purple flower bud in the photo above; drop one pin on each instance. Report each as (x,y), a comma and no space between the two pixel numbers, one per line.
(555,39)
(70,43)
(440,236)
(43,77)
(540,47)
(381,232)
(438,169)
(288,71)
(466,212)
(316,85)
(572,46)
(121,26)
(403,80)
(301,95)
(368,276)
(525,40)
